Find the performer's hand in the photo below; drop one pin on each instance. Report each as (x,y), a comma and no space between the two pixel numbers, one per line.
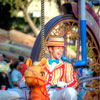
(61,84)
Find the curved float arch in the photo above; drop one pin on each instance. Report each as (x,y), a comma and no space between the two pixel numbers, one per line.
(37,45)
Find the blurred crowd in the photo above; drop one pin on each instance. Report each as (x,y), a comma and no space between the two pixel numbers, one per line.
(11,71)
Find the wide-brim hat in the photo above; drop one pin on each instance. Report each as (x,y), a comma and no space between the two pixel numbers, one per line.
(56,41)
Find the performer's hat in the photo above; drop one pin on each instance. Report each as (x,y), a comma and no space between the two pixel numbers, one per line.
(56,41)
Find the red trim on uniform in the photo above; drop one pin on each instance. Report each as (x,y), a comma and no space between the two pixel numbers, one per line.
(72,84)
(74,81)
(51,73)
(63,69)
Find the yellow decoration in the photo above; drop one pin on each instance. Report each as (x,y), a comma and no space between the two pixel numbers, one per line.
(29,62)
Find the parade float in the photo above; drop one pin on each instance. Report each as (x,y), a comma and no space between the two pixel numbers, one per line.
(79,25)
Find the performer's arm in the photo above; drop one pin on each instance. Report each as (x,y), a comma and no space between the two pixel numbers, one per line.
(70,76)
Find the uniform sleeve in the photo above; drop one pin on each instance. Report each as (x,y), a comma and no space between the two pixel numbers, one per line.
(70,76)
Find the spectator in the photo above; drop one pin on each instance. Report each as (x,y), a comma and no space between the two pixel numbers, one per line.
(3,77)
(24,67)
(15,75)
(9,71)
(3,59)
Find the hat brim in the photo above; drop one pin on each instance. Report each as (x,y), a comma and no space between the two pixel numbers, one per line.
(55,45)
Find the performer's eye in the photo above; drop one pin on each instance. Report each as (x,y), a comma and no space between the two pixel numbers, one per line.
(42,73)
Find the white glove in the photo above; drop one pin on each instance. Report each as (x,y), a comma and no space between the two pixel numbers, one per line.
(61,84)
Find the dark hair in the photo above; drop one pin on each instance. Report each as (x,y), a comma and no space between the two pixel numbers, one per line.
(11,66)
(16,64)
(4,55)
(21,58)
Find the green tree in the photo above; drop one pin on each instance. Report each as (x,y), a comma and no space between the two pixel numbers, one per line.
(23,5)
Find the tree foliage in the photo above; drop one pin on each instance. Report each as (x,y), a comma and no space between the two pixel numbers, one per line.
(22,5)
(16,5)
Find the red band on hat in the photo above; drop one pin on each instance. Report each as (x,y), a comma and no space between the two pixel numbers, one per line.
(61,43)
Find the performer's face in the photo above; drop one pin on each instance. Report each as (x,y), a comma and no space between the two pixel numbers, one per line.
(56,52)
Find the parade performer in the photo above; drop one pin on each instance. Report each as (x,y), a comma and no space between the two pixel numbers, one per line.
(59,73)
(24,67)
